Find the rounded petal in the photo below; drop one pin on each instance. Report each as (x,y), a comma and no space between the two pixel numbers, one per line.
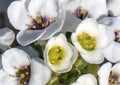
(104,73)
(116,68)
(5,79)
(29,50)
(96,9)
(95,57)
(7,36)
(40,73)
(114,7)
(47,8)
(70,24)
(112,52)
(87,79)
(18,15)
(13,58)
(29,36)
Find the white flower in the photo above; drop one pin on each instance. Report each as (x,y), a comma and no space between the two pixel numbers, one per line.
(7,37)
(109,75)
(36,19)
(114,7)
(112,52)
(59,54)
(19,69)
(90,38)
(86,79)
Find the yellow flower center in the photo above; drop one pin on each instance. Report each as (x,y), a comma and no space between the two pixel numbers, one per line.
(56,55)
(87,41)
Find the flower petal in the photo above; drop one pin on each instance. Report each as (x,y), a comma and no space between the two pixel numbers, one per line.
(87,79)
(96,9)
(18,15)
(40,73)
(114,7)
(112,52)
(29,36)
(70,23)
(7,36)
(47,8)
(6,79)
(95,57)
(104,73)
(13,58)
(116,68)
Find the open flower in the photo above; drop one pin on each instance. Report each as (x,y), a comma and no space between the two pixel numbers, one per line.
(19,69)
(112,52)
(113,7)
(109,75)
(36,19)
(59,54)
(86,79)
(7,37)
(90,38)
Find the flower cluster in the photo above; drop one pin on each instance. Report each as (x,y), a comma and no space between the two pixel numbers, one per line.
(61,42)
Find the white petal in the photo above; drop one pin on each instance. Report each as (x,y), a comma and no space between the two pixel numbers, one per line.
(18,15)
(70,58)
(42,42)
(96,9)
(76,83)
(14,58)
(6,79)
(116,68)
(47,8)
(87,79)
(112,52)
(70,24)
(29,50)
(40,73)
(114,7)
(104,73)
(94,57)
(29,36)
(7,36)
(54,27)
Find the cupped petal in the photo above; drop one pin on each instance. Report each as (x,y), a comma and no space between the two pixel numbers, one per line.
(116,68)
(7,36)
(6,79)
(29,50)
(103,73)
(55,27)
(87,79)
(95,9)
(40,73)
(18,15)
(112,52)
(29,36)
(95,57)
(114,7)
(46,8)
(71,22)
(14,58)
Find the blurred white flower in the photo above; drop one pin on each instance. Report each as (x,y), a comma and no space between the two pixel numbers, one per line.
(36,19)
(109,75)
(59,54)
(91,38)
(112,52)
(114,7)
(7,37)
(19,69)
(86,79)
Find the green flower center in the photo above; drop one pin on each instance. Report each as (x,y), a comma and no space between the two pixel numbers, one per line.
(23,74)
(56,55)
(113,78)
(87,41)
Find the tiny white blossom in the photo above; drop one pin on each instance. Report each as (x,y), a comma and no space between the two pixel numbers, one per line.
(19,69)
(59,54)
(91,38)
